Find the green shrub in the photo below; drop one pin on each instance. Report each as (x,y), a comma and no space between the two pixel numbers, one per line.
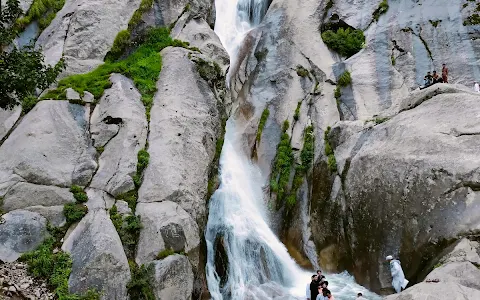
(128,229)
(331,161)
(56,268)
(345,79)
(131,198)
(43,11)
(143,159)
(122,40)
(296,116)
(282,165)
(28,103)
(337,93)
(346,42)
(79,194)
(381,9)
(301,71)
(472,20)
(381,120)
(393,60)
(74,212)
(210,72)
(164,253)
(435,23)
(261,124)
(307,153)
(141,282)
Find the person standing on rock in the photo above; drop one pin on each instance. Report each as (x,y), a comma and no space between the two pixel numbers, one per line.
(476,87)
(398,278)
(445,73)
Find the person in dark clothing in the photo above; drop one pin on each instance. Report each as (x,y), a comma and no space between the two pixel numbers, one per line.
(320,276)
(436,78)
(314,287)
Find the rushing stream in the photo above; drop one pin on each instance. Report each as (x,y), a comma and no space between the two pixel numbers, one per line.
(253,263)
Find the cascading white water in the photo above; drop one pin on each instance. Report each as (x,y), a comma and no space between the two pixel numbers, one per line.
(259,266)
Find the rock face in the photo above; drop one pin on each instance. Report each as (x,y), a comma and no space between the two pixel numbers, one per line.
(20,231)
(8,117)
(183,132)
(83,32)
(173,278)
(119,125)
(417,36)
(458,277)
(98,258)
(49,147)
(166,226)
(409,182)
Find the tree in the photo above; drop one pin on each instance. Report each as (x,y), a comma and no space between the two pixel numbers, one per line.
(22,71)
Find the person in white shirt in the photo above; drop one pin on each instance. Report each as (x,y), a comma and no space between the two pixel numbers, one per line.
(398,278)
(476,87)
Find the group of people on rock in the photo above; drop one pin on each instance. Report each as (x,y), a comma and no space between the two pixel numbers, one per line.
(430,79)
(318,289)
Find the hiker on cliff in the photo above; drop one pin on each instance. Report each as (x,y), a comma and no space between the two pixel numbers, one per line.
(398,278)
(445,73)
(476,87)
(428,79)
(314,288)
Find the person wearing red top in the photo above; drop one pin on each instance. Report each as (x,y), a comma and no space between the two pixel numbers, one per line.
(445,73)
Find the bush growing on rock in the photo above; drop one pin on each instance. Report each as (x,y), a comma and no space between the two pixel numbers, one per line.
(345,79)
(74,212)
(140,286)
(346,42)
(261,124)
(381,9)
(79,194)
(43,11)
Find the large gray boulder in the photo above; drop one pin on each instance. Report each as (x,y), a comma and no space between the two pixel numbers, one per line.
(99,261)
(173,278)
(184,127)
(419,36)
(118,124)
(54,214)
(49,147)
(408,187)
(20,231)
(464,273)
(166,226)
(435,291)
(24,194)
(8,117)
(83,32)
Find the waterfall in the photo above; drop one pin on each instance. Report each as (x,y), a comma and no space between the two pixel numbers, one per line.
(245,260)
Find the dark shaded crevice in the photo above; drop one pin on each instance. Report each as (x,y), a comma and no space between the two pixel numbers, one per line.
(474,186)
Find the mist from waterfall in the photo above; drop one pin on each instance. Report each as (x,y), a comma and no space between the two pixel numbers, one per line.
(245,260)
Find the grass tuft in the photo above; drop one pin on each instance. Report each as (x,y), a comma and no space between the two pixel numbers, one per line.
(261,124)
(381,9)
(345,79)
(346,42)
(141,282)
(331,161)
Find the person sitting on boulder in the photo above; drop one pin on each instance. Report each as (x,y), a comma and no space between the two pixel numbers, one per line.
(398,278)
(436,78)
(428,79)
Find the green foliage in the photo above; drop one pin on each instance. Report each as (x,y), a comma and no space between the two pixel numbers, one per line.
(140,285)
(393,60)
(285,125)
(346,42)
(337,93)
(122,40)
(306,155)
(143,159)
(261,124)
(145,5)
(296,116)
(261,55)
(1,205)
(331,161)
(131,198)
(474,19)
(100,149)
(282,165)
(128,229)
(142,66)
(210,72)
(435,23)
(43,11)
(345,79)
(328,6)
(79,194)
(28,103)
(381,9)
(74,212)
(56,268)
(301,71)
(164,253)
(380,120)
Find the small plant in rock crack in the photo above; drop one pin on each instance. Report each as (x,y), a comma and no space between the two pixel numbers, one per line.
(79,194)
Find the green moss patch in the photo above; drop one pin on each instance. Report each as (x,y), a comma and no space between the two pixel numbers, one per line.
(381,9)
(140,285)
(262,123)
(346,42)
(301,71)
(296,115)
(282,165)
(43,11)
(331,161)
(79,194)
(345,79)
(128,229)
(56,268)
(74,212)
